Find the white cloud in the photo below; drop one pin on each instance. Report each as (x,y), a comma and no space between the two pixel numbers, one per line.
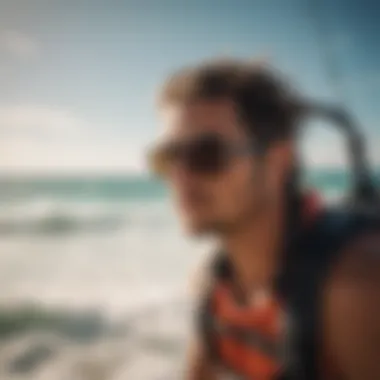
(52,140)
(323,152)
(39,119)
(18,44)
(328,149)
(41,139)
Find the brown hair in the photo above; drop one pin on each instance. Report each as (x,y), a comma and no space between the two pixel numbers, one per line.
(265,102)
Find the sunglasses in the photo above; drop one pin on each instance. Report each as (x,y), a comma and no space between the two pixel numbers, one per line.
(205,155)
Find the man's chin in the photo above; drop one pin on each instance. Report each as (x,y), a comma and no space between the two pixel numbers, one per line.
(200,229)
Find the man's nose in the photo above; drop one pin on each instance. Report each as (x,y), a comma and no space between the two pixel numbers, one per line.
(181,175)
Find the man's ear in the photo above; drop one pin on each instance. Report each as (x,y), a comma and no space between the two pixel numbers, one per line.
(280,160)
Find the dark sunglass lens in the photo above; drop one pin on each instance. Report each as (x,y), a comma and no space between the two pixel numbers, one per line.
(208,155)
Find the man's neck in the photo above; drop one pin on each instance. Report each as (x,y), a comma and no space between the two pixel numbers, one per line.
(254,250)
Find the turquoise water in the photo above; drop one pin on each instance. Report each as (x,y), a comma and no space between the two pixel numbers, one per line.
(104,188)
(80,258)
(129,187)
(72,204)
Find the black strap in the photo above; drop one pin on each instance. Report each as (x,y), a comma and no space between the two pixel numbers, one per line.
(206,329)
(307,266)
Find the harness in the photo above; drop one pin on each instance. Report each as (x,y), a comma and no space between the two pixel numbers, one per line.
(308,261)
(310,255)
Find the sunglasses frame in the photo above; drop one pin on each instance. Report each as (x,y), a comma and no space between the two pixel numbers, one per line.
(231,150)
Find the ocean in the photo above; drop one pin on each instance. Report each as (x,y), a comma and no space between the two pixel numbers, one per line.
(94,277)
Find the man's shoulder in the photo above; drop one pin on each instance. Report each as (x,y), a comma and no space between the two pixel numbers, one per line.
(328,249)
(362,255)
(351,312)
(358,260)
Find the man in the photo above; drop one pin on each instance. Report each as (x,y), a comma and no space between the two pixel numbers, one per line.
(229,156)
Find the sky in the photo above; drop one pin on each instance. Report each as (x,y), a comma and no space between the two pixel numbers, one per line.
(78,79)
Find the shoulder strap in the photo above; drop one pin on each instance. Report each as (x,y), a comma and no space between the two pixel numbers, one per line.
(205,317)
(307,264)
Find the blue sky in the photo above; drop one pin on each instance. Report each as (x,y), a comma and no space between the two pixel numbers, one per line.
(78,78)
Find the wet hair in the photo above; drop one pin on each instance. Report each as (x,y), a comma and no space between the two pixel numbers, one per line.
(264,100)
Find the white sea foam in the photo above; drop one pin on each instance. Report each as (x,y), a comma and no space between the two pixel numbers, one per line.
(42,216)
(129,278)
(96,288)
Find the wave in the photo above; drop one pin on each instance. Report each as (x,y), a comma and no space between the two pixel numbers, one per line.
(45,216)
(50,343)
(48,218)
(42,333)
(51,217)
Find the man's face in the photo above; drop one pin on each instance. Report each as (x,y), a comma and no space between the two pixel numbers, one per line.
(221,194)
